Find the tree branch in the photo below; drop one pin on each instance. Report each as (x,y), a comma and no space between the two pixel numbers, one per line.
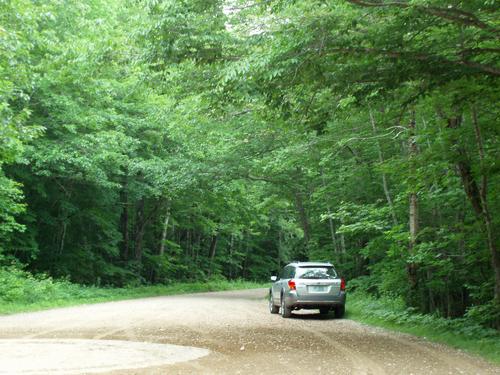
(451,14)
(490,70)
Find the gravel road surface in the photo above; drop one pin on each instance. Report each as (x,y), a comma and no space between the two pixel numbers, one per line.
(236,330)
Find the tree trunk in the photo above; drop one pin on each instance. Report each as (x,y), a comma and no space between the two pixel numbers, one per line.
(280,235)
(331,226)
(413,202)
(432,304)
(139,232)
(164,232)
(384,177)
(303,216)
(213,247)
(465,170)
(342,243)
(477,195)
(231,245)
(124,223)
(198,246)
(412,268)
(189,252)
(62,239)
(211,253)
(483,194)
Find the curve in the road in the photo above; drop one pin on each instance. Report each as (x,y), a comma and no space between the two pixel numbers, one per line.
(243,338)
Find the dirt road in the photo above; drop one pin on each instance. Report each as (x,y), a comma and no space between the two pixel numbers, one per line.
(242,338)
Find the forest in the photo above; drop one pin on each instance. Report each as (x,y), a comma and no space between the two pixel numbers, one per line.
(153,141)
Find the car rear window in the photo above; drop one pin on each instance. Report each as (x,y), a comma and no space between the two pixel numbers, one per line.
(316,273)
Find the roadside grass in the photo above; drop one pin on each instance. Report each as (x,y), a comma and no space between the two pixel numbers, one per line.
(21,291)
(391,314)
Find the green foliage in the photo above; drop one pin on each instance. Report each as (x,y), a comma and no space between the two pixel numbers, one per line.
(10,206)
(17,20)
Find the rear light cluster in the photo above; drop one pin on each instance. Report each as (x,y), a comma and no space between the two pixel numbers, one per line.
(293,286)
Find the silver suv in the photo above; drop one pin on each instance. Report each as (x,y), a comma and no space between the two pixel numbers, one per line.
(307,285)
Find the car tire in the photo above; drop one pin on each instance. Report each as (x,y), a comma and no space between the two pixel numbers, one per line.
(286,312)
(273,309)
(324,310)
(339,312)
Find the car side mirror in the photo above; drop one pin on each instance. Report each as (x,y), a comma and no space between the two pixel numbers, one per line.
(274,278)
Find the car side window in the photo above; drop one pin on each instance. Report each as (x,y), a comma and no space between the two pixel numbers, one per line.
(288,272)
(282,273)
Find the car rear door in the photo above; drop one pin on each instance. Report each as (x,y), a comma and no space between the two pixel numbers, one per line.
(317,283)
(278,286)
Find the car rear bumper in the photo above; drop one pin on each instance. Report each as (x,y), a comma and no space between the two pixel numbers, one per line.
(294,301)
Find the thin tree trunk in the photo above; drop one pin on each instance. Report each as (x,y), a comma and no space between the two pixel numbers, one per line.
(244,272)
(211,252)
(231,245)
(63,236)
(125,233)
(413,221)
(64,218)
(432,304)
(342,243)
(448,299)
(437,208)
(173,230)
(303,216)
(139,232)
(164,232)
(198,246)
(213,247)
(331,224)
(413,202)
(124,223)
(384,177)
(465,170)
(189,247)
(280,235)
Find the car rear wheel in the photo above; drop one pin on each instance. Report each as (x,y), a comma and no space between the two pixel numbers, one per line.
(286,312)
(339,312)
(273,309)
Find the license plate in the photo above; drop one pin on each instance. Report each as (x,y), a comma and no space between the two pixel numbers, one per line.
(317,289)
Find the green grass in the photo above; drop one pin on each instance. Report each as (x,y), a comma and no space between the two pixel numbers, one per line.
(390,313)
(20,291)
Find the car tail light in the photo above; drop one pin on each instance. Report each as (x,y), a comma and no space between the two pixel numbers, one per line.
(291,284)
(342,284)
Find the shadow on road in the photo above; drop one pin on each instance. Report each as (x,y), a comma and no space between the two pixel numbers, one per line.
(306,315)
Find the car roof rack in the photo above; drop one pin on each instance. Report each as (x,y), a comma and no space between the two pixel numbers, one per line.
(318,263)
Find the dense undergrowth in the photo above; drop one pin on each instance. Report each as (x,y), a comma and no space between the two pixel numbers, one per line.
(21,291)
(465,333)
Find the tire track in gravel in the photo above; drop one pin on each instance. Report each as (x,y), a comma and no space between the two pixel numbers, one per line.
(360,364)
